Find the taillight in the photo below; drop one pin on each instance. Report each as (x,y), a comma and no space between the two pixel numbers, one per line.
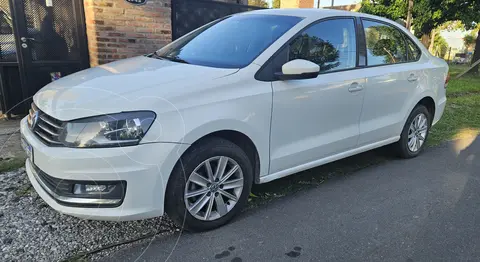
(447,79)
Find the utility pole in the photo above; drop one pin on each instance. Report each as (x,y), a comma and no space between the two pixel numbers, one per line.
(409,14)
(333,2)
(318,3)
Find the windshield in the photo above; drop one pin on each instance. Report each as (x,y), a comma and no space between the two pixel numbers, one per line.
(232,42)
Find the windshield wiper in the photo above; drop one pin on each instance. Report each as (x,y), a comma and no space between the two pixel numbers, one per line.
(169,58)
(155,55)
(174,59)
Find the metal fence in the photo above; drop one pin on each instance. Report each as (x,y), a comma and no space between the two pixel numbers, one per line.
(188,15)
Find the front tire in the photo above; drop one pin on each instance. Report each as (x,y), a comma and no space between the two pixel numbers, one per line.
(415,133)
(209,185)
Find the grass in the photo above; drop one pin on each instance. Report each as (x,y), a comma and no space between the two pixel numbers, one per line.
(11,164)
(467,84)
(462,113)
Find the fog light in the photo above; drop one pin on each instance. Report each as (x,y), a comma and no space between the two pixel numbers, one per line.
(80,189)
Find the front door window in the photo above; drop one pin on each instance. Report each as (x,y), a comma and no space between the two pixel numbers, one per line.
(331,44)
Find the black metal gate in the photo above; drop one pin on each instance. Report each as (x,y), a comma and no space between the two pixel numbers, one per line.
(188,15)
(40,41)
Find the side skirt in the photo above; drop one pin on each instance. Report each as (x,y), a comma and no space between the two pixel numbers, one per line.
(326,160)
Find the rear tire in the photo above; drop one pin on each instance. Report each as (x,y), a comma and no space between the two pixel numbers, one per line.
(415,133)
(191,176)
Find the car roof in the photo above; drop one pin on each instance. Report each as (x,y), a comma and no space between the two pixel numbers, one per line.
(314,13)
(302,12)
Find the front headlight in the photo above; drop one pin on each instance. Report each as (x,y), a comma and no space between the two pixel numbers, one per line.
(122,129)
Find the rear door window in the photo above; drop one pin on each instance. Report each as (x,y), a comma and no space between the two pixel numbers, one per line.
(385,44)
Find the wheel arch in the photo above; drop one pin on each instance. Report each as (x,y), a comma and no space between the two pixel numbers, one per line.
(429,103)
(425,99)
(238,133)
(241,140)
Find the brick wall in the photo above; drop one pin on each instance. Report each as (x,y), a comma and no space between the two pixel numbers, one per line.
(117,29)
(296,3)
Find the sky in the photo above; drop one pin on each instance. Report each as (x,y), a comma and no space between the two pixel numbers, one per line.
(454,39)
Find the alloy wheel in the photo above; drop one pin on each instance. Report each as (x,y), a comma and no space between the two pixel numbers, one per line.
(417,133)
(213,188)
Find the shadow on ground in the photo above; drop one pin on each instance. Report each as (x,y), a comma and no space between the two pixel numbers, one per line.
(313,177)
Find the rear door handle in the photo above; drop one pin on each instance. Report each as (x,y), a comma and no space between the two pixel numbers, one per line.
(355,87)
(412,78)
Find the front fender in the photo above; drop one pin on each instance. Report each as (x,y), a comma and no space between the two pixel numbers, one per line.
(260,139)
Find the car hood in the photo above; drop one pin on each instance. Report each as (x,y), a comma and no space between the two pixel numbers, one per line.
(118,86)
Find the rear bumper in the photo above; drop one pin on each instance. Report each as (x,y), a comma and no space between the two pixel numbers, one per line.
(440,108)
(145,168)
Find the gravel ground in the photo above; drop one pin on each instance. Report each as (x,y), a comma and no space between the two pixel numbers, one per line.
(10,139)
(32,231)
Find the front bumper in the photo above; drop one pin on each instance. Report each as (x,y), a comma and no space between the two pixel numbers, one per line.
(62,190)
(145,169)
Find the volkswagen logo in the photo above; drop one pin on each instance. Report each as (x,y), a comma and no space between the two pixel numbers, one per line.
(34,119)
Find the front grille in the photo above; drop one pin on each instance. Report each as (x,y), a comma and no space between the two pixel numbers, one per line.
(44,126)
(57,185)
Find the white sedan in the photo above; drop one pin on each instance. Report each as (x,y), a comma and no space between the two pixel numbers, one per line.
(246,99)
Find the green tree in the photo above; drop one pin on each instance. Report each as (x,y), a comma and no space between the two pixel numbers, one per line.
(259,3)
(468,12)
(470,17)
(476,51)
(276,4)
(427,14)
(392,9)
(469,40)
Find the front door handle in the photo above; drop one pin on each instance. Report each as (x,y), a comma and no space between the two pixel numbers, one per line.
(355,87)
(24,39)
(412,78)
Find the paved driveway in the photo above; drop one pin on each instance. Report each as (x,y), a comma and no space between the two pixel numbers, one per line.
(423,209)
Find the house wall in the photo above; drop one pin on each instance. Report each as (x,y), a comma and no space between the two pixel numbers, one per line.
(296,4)
(352,7)
(117,29)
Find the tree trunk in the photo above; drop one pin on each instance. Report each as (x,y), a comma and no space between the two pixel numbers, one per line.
(432,40)
(476,55)
(409,14)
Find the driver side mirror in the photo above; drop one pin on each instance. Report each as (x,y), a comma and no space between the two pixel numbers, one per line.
(298,69)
